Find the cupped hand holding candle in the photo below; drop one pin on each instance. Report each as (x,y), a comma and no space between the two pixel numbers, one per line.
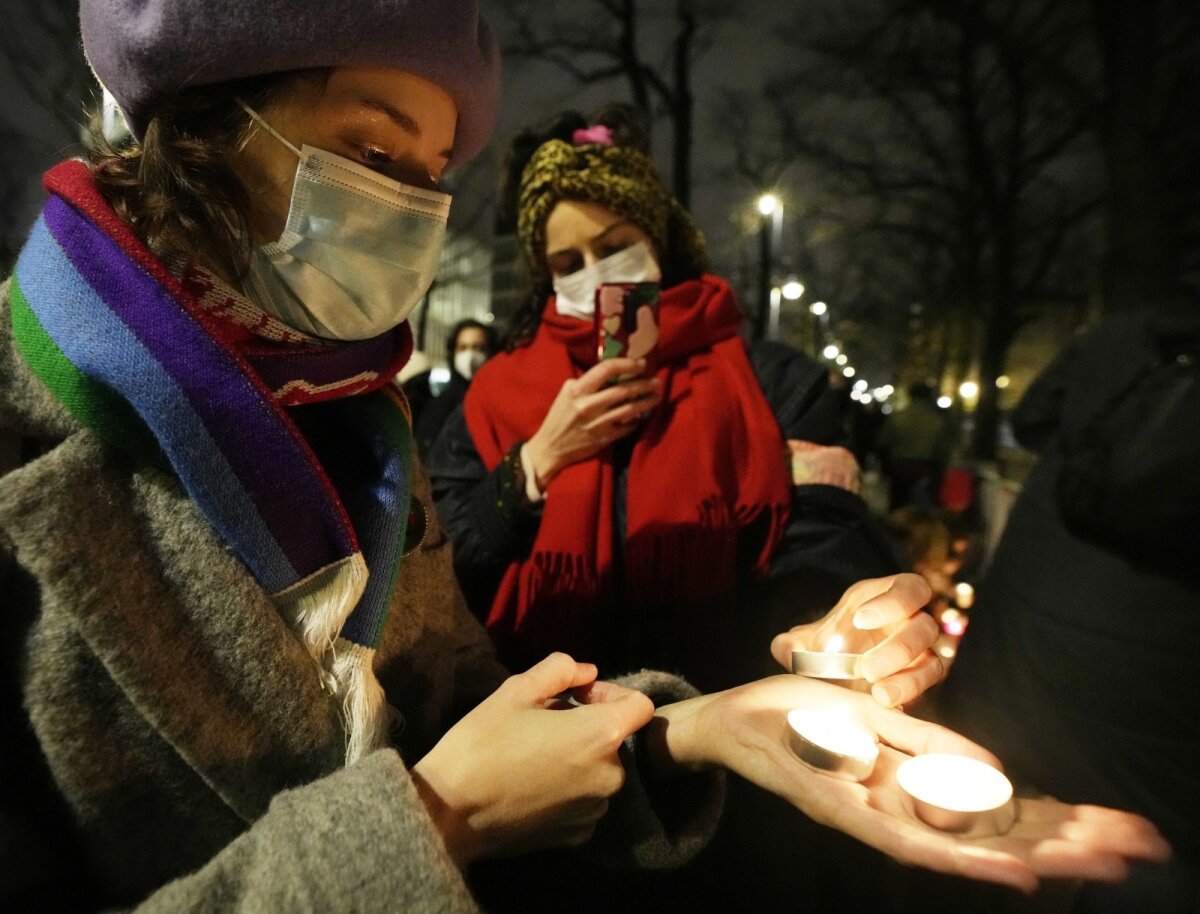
(746,730)
(880,618)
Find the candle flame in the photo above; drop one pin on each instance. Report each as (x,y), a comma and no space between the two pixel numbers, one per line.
(835,645)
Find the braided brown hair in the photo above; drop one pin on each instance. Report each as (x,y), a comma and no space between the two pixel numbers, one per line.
(176,187)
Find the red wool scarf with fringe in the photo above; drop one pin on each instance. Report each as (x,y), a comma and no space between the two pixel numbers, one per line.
(708,484)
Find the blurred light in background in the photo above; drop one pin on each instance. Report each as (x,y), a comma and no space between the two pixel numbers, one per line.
(830,351)
(944,402)
(792,290)
(767,204)
(964,595)
(818,308)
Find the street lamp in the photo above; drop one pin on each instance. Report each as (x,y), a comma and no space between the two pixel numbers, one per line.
(773,319)
(768,203)
(792,290)
(818,308)
(770,207)
(830,352)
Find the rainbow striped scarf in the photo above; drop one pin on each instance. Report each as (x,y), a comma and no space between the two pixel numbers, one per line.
(309,497)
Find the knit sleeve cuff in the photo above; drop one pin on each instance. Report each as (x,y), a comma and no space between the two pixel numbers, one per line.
(654,822)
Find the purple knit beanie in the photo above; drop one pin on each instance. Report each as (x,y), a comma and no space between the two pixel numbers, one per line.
(146,50)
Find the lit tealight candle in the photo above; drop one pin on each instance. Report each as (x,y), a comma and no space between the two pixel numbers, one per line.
(831,663)
(832,742)
(958,794)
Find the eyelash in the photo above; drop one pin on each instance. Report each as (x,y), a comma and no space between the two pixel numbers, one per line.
(609,249)
(372,155)
(576,263)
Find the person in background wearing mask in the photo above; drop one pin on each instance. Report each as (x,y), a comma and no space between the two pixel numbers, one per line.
(469,344)
(660,497)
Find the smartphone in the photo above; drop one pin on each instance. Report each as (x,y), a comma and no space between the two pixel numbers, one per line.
(626,321)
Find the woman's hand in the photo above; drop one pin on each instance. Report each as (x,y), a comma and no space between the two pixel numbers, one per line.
(524,770)
(816,464)
(744,729)
(881,618)
(588,415)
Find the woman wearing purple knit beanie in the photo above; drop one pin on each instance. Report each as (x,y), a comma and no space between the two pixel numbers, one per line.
(238,671)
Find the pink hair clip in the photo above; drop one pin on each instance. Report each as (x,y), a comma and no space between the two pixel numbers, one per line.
(598,134)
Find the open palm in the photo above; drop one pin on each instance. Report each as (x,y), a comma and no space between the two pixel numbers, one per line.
(1049,838)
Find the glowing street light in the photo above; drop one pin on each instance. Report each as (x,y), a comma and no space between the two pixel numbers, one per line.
(792,290)
(848,371)
(861,384)
(818,308)
(770,207)
(830,352)
(944,402)
(1002,381)
(842,359)
(968,390)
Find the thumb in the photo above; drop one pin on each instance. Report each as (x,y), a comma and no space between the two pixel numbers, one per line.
(614,712)
(557,673)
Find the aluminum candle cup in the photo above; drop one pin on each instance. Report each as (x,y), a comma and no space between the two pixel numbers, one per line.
(826,664)
(832,743)
(958,794)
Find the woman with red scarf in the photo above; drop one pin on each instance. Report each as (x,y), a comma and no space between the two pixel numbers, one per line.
(654,521)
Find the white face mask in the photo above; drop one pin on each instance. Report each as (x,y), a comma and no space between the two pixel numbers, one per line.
(469,361)
(575,293)
(357,254)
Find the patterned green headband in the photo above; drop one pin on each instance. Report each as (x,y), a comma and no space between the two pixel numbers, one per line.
(619,178)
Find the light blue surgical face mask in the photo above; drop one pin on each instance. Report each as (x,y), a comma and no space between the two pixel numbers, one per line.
(357,254)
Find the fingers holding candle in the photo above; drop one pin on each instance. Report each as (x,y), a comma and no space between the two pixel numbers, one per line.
(881,616)
(901,596)
(903,666)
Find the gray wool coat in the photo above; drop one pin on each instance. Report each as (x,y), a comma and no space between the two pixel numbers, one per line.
(167,744)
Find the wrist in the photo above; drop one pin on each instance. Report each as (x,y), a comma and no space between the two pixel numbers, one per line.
(676,738)
(533,489)
(537,461)
(458,838)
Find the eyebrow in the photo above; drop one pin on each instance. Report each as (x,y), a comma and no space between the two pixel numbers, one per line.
(600,237)
(400,119)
